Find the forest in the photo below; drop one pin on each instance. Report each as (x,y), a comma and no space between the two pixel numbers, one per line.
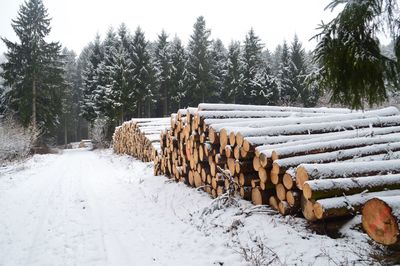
(121,74)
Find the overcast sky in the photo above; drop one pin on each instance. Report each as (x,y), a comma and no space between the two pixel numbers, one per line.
(76,22)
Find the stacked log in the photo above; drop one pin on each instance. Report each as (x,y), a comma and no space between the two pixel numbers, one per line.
(140,138)
(319,162)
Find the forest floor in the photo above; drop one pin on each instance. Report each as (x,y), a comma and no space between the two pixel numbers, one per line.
(85,207)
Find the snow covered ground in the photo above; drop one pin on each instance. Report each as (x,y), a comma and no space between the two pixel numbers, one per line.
(95,208)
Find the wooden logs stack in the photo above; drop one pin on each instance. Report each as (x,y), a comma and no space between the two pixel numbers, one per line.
(140,138)
(319,162)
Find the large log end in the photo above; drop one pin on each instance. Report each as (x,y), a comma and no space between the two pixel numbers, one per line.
(379,222)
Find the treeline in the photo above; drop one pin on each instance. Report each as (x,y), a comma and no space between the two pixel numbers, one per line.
(125,75)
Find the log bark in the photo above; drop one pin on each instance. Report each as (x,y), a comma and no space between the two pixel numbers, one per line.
(307,172)
(347,205)
(328,188)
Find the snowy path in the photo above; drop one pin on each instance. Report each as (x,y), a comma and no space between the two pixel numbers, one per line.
(80,209)
(97,208)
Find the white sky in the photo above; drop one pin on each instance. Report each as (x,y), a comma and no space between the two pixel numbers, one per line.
(75,22)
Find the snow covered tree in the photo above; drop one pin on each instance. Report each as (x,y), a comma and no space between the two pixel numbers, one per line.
(121,71)
(103,99)
(276,59)
(90,80)
(218,57)
(251,62)
(298,70)
(33,71)
(288,94)
(178,74)
(233,78)
(354,68)
(142,79)
(198,65)
(163,68)
(266,86)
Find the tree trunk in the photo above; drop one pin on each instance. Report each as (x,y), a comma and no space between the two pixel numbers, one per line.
(34,103)
(65,131)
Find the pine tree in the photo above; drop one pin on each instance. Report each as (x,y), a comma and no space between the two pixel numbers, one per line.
(218,57)
(198,65)
(298,70)
(90,80)
(233,79)
(288,94)
(33,71)
(163,68)
(178,89)
(251,62)
(141,83)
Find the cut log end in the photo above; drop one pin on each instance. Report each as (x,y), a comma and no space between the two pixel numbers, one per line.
(379,222)
(301,177)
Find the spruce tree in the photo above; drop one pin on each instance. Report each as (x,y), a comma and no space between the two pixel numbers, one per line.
(198,64)
(141,76)
(354,69)
(233,79)
(218,56)
(251,62)
(121,71)
(298,70)
(163,70)
(33,71)
(103,98)
(178,89)
(288,94)
(90,81)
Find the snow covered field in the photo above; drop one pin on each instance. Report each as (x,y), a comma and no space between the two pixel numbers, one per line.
(96,208)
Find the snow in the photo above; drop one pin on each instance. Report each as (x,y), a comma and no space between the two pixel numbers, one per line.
(393,202)
(238,107)
(95,208)
(348,169)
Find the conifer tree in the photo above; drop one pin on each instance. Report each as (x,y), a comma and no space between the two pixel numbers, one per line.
(178,88)
(251,62)
(90,80)
(33,70)
(121,71)
(198,64)
(298,70)
(141,83)
(218,57)
(103,98)
(233,79)
(288,94)
(163,70)
(354,69)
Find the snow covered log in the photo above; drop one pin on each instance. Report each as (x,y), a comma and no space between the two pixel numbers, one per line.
(243,107)
(328,188)
(314,128)
(305,172)
(346,205)
(381,219)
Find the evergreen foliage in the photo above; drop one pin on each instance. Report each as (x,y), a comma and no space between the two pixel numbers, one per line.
(33,71)
(199,65)
(354,68)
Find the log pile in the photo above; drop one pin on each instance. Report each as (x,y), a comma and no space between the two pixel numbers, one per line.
(140,138)
(321,163)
